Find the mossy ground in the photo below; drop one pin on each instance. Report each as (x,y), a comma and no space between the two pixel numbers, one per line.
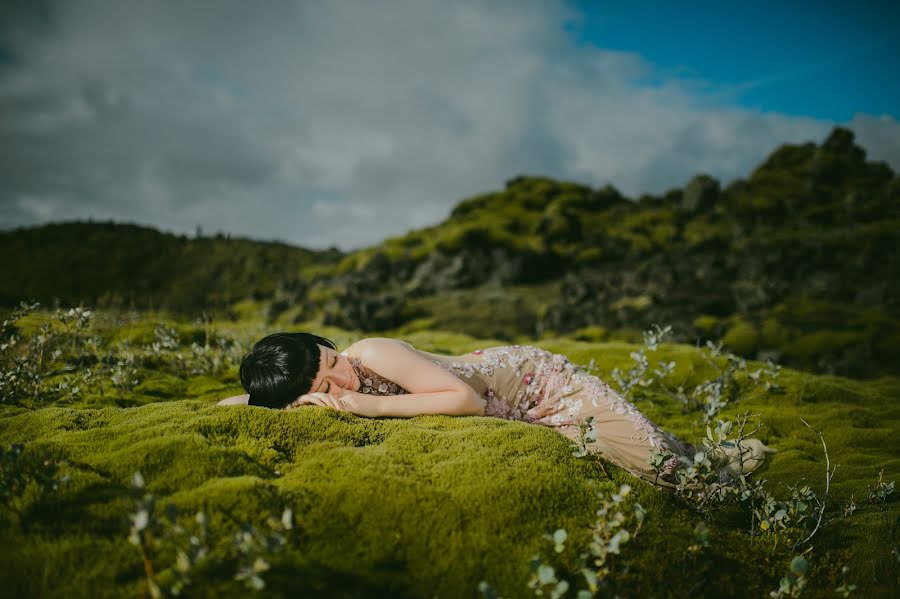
(430,506)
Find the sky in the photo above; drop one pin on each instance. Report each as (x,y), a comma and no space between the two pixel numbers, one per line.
(341,123)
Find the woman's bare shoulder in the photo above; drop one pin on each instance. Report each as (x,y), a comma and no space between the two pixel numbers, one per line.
(370,344)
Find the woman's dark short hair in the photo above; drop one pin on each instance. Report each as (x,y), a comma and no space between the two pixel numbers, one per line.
(281,367)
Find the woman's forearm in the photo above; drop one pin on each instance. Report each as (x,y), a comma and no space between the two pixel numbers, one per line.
(448,403)
(236,400)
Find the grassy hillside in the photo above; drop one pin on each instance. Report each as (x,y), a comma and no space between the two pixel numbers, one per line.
(127,265)
(427,506)
(798,263)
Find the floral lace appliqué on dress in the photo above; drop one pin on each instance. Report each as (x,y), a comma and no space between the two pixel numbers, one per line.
(520,382)
(549,389)
(371,383)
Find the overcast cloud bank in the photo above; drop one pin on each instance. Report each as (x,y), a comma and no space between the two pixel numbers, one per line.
(339,124)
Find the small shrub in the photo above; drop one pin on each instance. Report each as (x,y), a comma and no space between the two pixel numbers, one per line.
(638,375)
(153,535)
(701,539)
(34,367)
(62,360)
(609,533)
(194,545)
(709,396)
(22,471)
(879,490)
(794,581)
(846,588)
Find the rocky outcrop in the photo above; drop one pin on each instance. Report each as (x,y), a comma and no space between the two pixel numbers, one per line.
(700,194)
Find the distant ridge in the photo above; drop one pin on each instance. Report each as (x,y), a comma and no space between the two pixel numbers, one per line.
(126,264)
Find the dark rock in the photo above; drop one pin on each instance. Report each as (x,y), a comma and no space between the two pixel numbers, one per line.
(700,194)
(840,140)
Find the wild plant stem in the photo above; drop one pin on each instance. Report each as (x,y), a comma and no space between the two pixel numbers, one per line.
(828,474)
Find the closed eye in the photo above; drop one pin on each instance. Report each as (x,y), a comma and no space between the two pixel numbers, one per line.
(333,364)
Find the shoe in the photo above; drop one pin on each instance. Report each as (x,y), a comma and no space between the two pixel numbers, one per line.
(751,451)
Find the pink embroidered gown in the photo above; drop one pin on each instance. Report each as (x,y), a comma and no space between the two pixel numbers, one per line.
(522,382)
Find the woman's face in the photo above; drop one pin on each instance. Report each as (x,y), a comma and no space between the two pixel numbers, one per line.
(335,373)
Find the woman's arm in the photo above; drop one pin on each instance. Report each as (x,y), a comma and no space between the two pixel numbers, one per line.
(448,403)
(432,389)
(236,400)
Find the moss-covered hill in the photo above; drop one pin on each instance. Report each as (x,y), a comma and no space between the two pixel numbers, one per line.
(428,506)
(128,265)
(797,262)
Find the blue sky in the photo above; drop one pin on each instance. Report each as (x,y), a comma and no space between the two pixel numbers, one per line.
(822,59)
(339,124)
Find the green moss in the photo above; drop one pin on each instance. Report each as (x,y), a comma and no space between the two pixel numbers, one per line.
(591,333)
(161,385)
(742,338)
(888,344)
(637,303)
(429,506)
(809,313)
(143,332)
(637,243)
(591,255)
(350,262)
(248,310)
(773,333)
(189,450)
(501,314)
(823,342)
(662,235)
(706,323)
(627,334)
(701,232)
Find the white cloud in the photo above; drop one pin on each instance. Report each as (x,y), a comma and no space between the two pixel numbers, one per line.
(880,136)
(344,123)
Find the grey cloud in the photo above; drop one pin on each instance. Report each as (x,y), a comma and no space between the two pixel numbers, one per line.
(325,123)
(880,136)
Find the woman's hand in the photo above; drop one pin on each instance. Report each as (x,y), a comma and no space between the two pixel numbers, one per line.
(360,404)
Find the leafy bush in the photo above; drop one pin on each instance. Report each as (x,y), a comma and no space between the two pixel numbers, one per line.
(25,472)
(193,545)
(709,396)
(609,533)
(64,359)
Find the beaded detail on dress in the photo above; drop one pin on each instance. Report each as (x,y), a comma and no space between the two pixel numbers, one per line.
(371,383)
